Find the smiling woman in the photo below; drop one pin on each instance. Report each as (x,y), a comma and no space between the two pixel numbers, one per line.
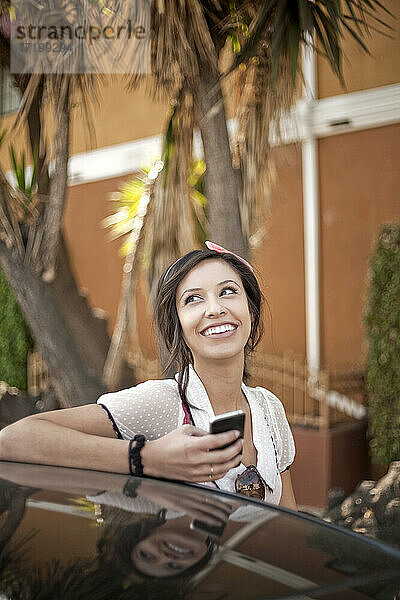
(208,311)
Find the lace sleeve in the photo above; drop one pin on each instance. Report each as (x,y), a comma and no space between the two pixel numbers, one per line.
(150,408)
(283,438)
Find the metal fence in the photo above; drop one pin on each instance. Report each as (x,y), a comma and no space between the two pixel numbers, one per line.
(319,399)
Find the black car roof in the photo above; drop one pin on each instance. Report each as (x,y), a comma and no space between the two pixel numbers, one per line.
(82,531)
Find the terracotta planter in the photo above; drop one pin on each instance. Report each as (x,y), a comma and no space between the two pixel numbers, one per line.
(327,458)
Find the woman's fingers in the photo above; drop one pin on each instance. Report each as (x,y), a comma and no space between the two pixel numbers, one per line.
(225,455)
(192,430)
(211,441)
(218,470)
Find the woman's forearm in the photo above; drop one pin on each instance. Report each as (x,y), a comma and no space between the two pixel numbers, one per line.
(287,499)
(39,441)
(83,438)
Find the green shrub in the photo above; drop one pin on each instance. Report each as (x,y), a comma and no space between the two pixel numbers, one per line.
(15,339)
(383,330)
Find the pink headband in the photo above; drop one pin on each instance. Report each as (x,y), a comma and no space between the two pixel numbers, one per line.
(221,250)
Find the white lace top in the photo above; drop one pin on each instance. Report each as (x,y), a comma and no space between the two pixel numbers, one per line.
(154,408)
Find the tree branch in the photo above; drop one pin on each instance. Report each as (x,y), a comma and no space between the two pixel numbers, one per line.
(6,230)
(11,233)
(126,319)
(58,184)
(38,149)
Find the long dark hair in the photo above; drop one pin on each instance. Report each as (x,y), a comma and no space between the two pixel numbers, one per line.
(166,315)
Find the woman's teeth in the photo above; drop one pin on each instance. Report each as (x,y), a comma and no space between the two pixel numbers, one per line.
(177,549)
(220,329)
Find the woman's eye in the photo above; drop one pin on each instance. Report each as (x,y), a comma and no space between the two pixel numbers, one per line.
(229,290)
(175,566)
(191,298)
(145,555)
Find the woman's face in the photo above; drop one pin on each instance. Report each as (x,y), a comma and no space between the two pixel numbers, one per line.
(213,311)
(169,550)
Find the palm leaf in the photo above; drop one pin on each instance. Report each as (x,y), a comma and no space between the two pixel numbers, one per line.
(19,170)
(35,160)
(360,4)
(3,133)
(356,37)
(305,16)
(331,47)
(354,17)
(22,172)
(294,46)
(277,20)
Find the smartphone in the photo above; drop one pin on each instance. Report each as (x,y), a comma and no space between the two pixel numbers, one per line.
(227,422)
(212,530)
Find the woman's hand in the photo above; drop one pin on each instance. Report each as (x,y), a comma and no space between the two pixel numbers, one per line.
(191,454)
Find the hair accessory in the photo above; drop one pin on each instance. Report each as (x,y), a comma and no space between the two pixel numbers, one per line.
(221,250)
(135,460)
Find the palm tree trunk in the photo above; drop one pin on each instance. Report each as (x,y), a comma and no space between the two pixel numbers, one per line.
(221,186)
(71,340)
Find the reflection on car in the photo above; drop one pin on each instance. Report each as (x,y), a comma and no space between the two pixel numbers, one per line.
(71,534)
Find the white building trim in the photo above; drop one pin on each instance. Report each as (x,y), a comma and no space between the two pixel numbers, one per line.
(330,116)
(114,161)
(359,110)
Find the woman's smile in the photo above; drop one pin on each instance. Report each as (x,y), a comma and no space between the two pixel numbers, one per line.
(176,551)
(219,330)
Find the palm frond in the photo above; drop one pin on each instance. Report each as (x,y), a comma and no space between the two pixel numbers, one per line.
(168,226)
(172,230)
(285,25)
(263,97)
(129,201)
(25,183)
(181,36)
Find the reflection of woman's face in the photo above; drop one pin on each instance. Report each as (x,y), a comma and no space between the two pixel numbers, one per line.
(169,550)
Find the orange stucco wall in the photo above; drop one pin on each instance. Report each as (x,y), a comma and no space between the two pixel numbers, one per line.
(361,70)
(117,115)
(94,258)
(359,190)
(280,259)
